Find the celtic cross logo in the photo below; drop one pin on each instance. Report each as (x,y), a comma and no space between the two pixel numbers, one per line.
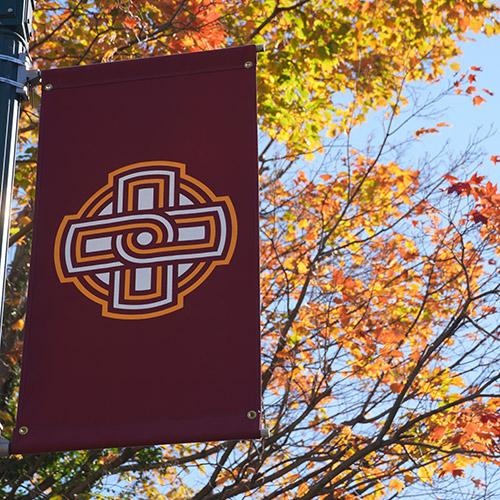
(148,238)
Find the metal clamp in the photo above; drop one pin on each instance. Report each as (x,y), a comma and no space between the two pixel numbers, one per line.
(11,59)
(18,85)
(26,77)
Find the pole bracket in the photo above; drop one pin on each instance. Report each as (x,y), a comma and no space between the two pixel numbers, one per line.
(26,76)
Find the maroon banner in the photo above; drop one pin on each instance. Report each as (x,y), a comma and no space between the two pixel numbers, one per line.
(143,310)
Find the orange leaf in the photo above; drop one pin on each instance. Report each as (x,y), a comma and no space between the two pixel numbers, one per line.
(476,179)
(477,100)
(18,325)
(396,484)
(438,432)
(396,387)
(422,131)
(130,22)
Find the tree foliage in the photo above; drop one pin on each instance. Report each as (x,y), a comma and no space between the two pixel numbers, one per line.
(380,354)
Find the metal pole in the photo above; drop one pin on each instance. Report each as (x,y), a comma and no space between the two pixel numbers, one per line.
(15,31)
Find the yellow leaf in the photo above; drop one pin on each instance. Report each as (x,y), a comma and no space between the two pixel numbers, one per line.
(302,268)
(425,473)
(455,66)
(476,24)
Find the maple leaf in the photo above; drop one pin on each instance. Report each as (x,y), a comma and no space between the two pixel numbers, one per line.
(495,159)
(478,217)
(422,131)
(476,179)
(438,432)
(397,485)
(130,22)
(18,325)
(460,188)
(477,100)
(396,387)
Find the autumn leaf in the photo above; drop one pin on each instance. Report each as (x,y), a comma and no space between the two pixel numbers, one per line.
(478,217)
(422,131)
(130,22)
(302,268)
(396,387)
(460,188)
(396,485)
(438,432)
(477,100)
(476,179)
(18,325)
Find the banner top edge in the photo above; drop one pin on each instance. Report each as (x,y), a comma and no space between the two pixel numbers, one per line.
(151,67)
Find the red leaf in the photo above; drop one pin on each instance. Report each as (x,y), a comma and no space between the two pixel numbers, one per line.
(130,22)
(476,179)
(459,188)
(476,68)
(471,78)
(495,159)
(478,217)
(470,89)
(489,92)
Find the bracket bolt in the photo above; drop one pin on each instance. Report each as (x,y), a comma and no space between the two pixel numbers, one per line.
(23,430)
(248,64)
(252,414)
(48,86)
(10,10)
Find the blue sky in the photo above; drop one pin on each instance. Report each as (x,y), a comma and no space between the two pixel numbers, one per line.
(464,118)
